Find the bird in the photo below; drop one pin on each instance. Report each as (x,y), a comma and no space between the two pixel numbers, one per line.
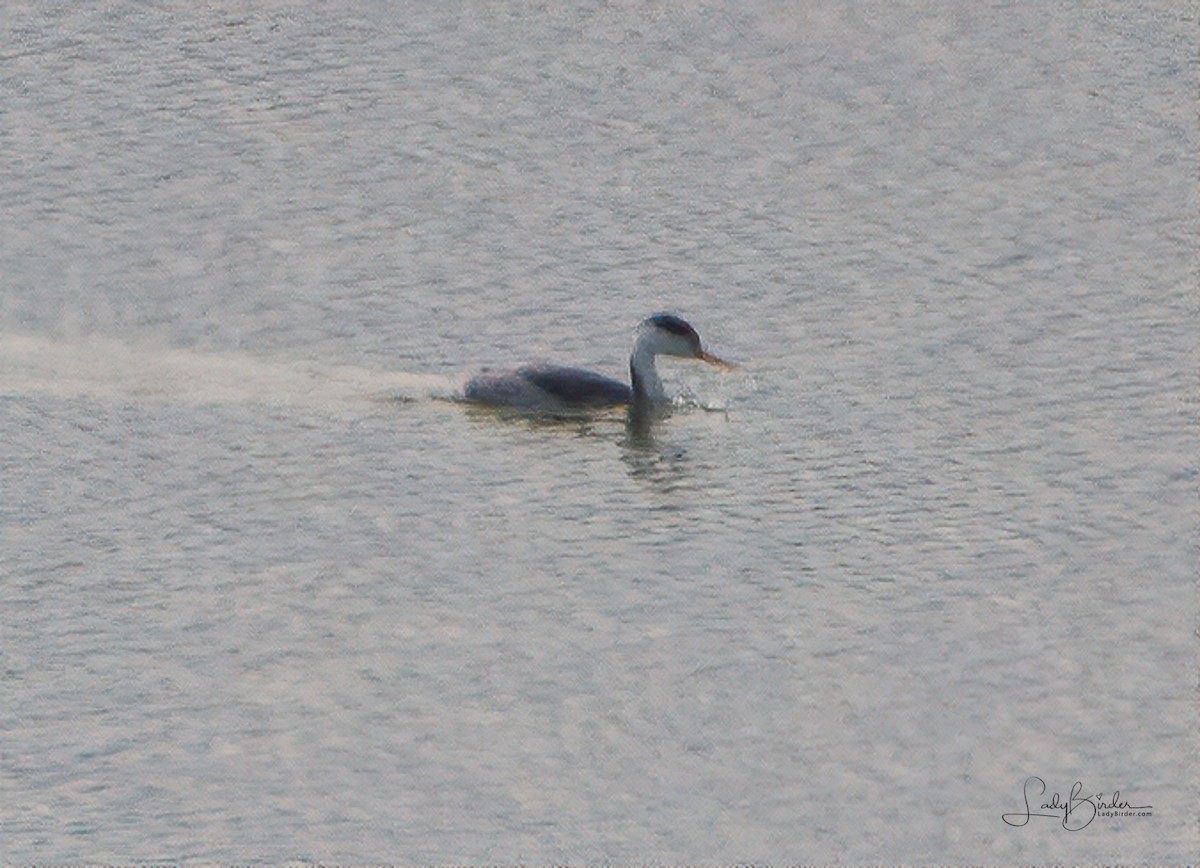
(543,387)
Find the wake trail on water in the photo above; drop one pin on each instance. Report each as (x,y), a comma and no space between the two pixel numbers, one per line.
(111,369)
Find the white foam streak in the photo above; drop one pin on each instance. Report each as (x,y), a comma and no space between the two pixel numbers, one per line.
(106,368)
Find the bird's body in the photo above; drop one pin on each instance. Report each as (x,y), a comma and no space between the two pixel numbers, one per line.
(542,385)
(552,388)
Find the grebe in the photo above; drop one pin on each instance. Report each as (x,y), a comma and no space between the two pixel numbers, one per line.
(541,386)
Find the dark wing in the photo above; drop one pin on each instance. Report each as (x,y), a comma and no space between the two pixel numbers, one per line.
(577,385)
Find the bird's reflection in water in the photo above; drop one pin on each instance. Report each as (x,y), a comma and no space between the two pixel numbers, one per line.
(662,465)
(650,457)
(580,424)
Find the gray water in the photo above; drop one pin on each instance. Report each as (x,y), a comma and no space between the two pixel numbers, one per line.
(269,594)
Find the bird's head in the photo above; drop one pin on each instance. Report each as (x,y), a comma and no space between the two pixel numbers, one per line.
(666,334)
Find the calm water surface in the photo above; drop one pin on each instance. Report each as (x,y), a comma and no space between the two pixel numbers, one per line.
(267,595)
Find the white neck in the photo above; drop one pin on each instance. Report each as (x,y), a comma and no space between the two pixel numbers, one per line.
(647,387)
